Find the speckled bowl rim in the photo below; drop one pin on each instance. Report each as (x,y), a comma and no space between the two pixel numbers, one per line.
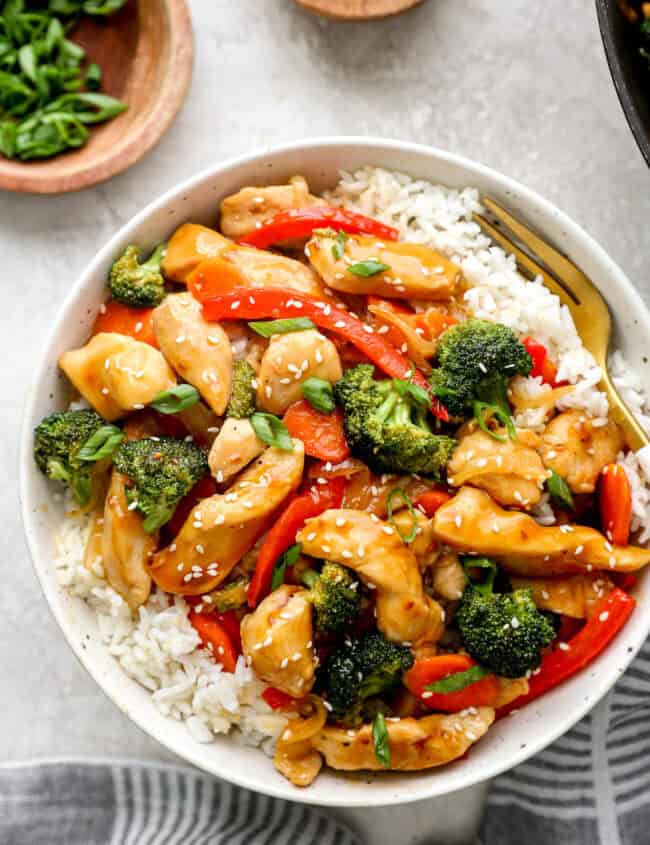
(512,740)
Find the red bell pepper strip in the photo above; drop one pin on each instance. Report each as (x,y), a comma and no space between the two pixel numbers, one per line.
(542,364)
(615,504)
(319,498)
(428,670)
(430,501)
(215,637)
(247,304)
(558,665)
(201,490)
(121,319)
(278,700)
(301,222)
(322,434)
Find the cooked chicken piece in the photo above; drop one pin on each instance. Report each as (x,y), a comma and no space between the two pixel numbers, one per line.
(511,471)
(447,577)
(294,756)
(201,422)
(472,522)
(577,449)
(414,271)
(188,247)
(191,244)
(222,528)
(368,491)
(414,743)
(117,374)
(126,547)
(277,641)
(573,595)
(424,545)
(289,360)
(374,550)
(234,448)
(241,212)
(509,689)
(199,351)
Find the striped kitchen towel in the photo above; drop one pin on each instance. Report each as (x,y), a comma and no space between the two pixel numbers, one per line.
(592,786)
(104,803)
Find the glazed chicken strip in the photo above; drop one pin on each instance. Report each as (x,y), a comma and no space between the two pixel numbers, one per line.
(574,595)
(117,374)
(473,522)
(374,550)
(448,580)
(289,360)
(577,449)
(424,545)
(199,351)
(191,244)
(277,641)
(414,743)
(233,448)
(511,471)
(222,528)
(241,212)
(414,271)
(126,547)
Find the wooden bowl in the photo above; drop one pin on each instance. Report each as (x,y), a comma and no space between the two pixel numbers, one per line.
(358,10)
(145,51)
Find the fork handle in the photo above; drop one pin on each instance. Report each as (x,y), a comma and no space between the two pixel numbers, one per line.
(635,436)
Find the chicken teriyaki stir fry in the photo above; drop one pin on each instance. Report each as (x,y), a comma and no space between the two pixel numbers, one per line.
(296,424)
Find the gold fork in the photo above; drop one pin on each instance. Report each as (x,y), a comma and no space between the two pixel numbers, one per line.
(588,308)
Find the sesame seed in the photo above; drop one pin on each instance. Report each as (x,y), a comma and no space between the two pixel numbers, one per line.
(604,616)
(105,391)
(458,520)
(284,663)
(564,646)
(311,536)
(235,305)
(340,522)
(387,530)
(219,519)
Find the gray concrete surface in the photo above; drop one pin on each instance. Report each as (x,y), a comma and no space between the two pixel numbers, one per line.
(520,85)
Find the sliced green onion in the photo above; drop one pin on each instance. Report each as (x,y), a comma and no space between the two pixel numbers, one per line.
(94,76)
(338,247)
(101,444)
(398,492)
(459,680)
(287,558)
(291,324)
(367,268)
(469,562)
(320,394)
(484,410)
(408,388)
(272,431)
(559,490)
(175,399)
(380,740)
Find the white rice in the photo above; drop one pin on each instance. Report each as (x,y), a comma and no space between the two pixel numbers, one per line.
(158,647)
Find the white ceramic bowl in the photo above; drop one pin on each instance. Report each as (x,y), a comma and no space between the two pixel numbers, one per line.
(509,742)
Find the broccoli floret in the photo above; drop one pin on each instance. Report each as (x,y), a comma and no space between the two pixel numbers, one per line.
(360,669)
(138,285)
(242,396)
(476,360)
(57,441)
(335,596)
(162,471)
(503,631)
(388,428)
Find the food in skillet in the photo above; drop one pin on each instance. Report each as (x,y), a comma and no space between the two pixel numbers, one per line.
(323,498)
